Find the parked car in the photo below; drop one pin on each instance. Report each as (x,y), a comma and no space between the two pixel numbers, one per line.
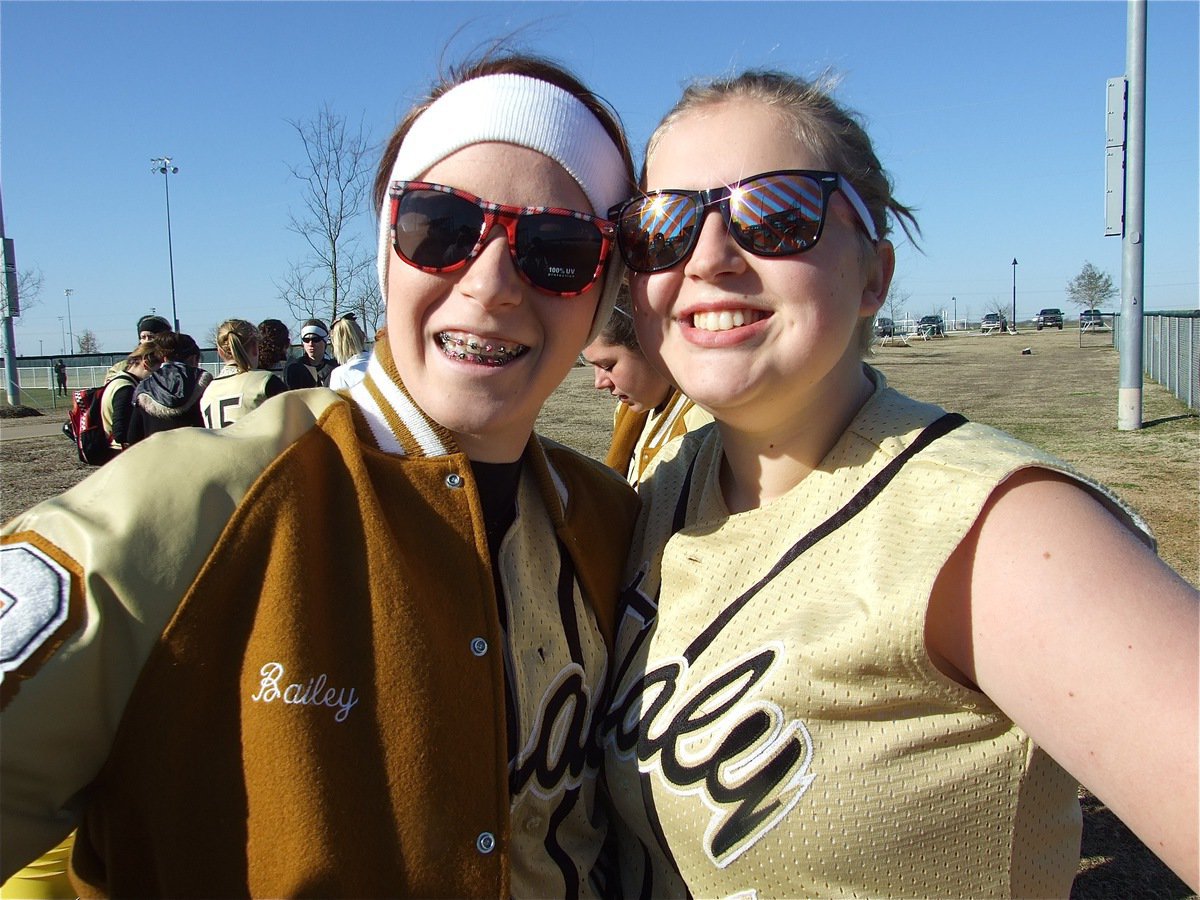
(1091,320)
(1049,318)
(884,327)
(931,326)
(993,322)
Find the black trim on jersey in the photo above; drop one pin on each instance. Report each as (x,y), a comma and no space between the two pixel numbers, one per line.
(853,507)
(566,603)
(680,518)
(566,865)
(631,598)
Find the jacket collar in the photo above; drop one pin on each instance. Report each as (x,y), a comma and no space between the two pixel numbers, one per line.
(397,424)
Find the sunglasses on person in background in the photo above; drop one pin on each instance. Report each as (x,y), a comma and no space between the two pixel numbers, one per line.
(773,214)
(436,228)
(311,339)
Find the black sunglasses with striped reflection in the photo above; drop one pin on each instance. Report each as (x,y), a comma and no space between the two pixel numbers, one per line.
(772,214)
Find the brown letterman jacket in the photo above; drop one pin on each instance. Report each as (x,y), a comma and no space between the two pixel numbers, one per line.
(323,553)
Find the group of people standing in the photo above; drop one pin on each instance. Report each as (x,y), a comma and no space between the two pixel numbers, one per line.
(161,385)
(394,643)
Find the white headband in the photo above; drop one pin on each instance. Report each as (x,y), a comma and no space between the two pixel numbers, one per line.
(526,112)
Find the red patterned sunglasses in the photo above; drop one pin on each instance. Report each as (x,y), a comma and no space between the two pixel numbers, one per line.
(440,229)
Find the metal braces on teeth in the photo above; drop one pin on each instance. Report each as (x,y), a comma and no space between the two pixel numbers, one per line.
(504,354)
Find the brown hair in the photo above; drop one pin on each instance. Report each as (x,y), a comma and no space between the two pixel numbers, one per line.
(273,342)
(618,330)
(176,347)
(148,352)
(237,341)
(831,131)
(505,64)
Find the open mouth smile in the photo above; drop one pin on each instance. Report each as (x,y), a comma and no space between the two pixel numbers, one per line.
(483,351)
(726,319)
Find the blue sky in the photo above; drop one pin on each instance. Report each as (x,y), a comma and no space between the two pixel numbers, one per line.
(990,117)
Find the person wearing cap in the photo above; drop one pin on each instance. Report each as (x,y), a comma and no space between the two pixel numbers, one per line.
(149,326)
(359,646)
(312,368)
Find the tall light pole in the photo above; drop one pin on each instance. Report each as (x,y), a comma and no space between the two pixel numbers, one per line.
(63,329)
(162,164)
(1014,309)
(954,300)
(67,292)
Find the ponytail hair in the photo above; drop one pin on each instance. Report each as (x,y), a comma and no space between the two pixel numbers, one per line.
(237,342)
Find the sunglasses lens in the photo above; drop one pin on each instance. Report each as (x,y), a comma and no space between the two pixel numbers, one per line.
(558,253)
(436,229)
(657,231)
(777,215)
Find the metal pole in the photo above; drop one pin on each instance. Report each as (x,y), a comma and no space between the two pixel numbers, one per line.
(70,330)
(954,300)
(63,329)
(1013,326)
(1129,388)
(11,307)
(163,164)
(170,249)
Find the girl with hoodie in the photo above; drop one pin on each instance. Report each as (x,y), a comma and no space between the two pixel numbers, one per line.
(170,396)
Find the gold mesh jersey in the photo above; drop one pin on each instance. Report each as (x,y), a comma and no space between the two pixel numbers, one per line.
(232,394)
(777,728)
(290,680)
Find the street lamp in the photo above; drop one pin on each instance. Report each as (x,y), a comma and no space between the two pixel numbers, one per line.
(162,164)
(63,329)
(70,330)
(1014,309)
(954,300)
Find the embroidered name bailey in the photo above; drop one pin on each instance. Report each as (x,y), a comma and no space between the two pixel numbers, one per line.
(310,693)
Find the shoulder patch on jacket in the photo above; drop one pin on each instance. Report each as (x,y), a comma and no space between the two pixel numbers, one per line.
(36,611)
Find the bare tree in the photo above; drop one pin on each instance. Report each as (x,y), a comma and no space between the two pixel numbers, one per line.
(29,288)
(88,342)
(1091,287)
(896,298)
(997,306)
(336,178)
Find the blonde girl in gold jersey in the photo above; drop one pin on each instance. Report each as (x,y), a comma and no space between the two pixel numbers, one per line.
(241,385)
(796,710)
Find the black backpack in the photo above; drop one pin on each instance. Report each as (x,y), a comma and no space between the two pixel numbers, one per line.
(85,424)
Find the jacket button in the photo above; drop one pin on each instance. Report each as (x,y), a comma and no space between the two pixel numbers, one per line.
(486,842)
(454,481)
(478,646)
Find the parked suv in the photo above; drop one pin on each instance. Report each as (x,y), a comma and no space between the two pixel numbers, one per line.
(992,322)
(884,328)
(1048,318)
(1091,320)
(930,326)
